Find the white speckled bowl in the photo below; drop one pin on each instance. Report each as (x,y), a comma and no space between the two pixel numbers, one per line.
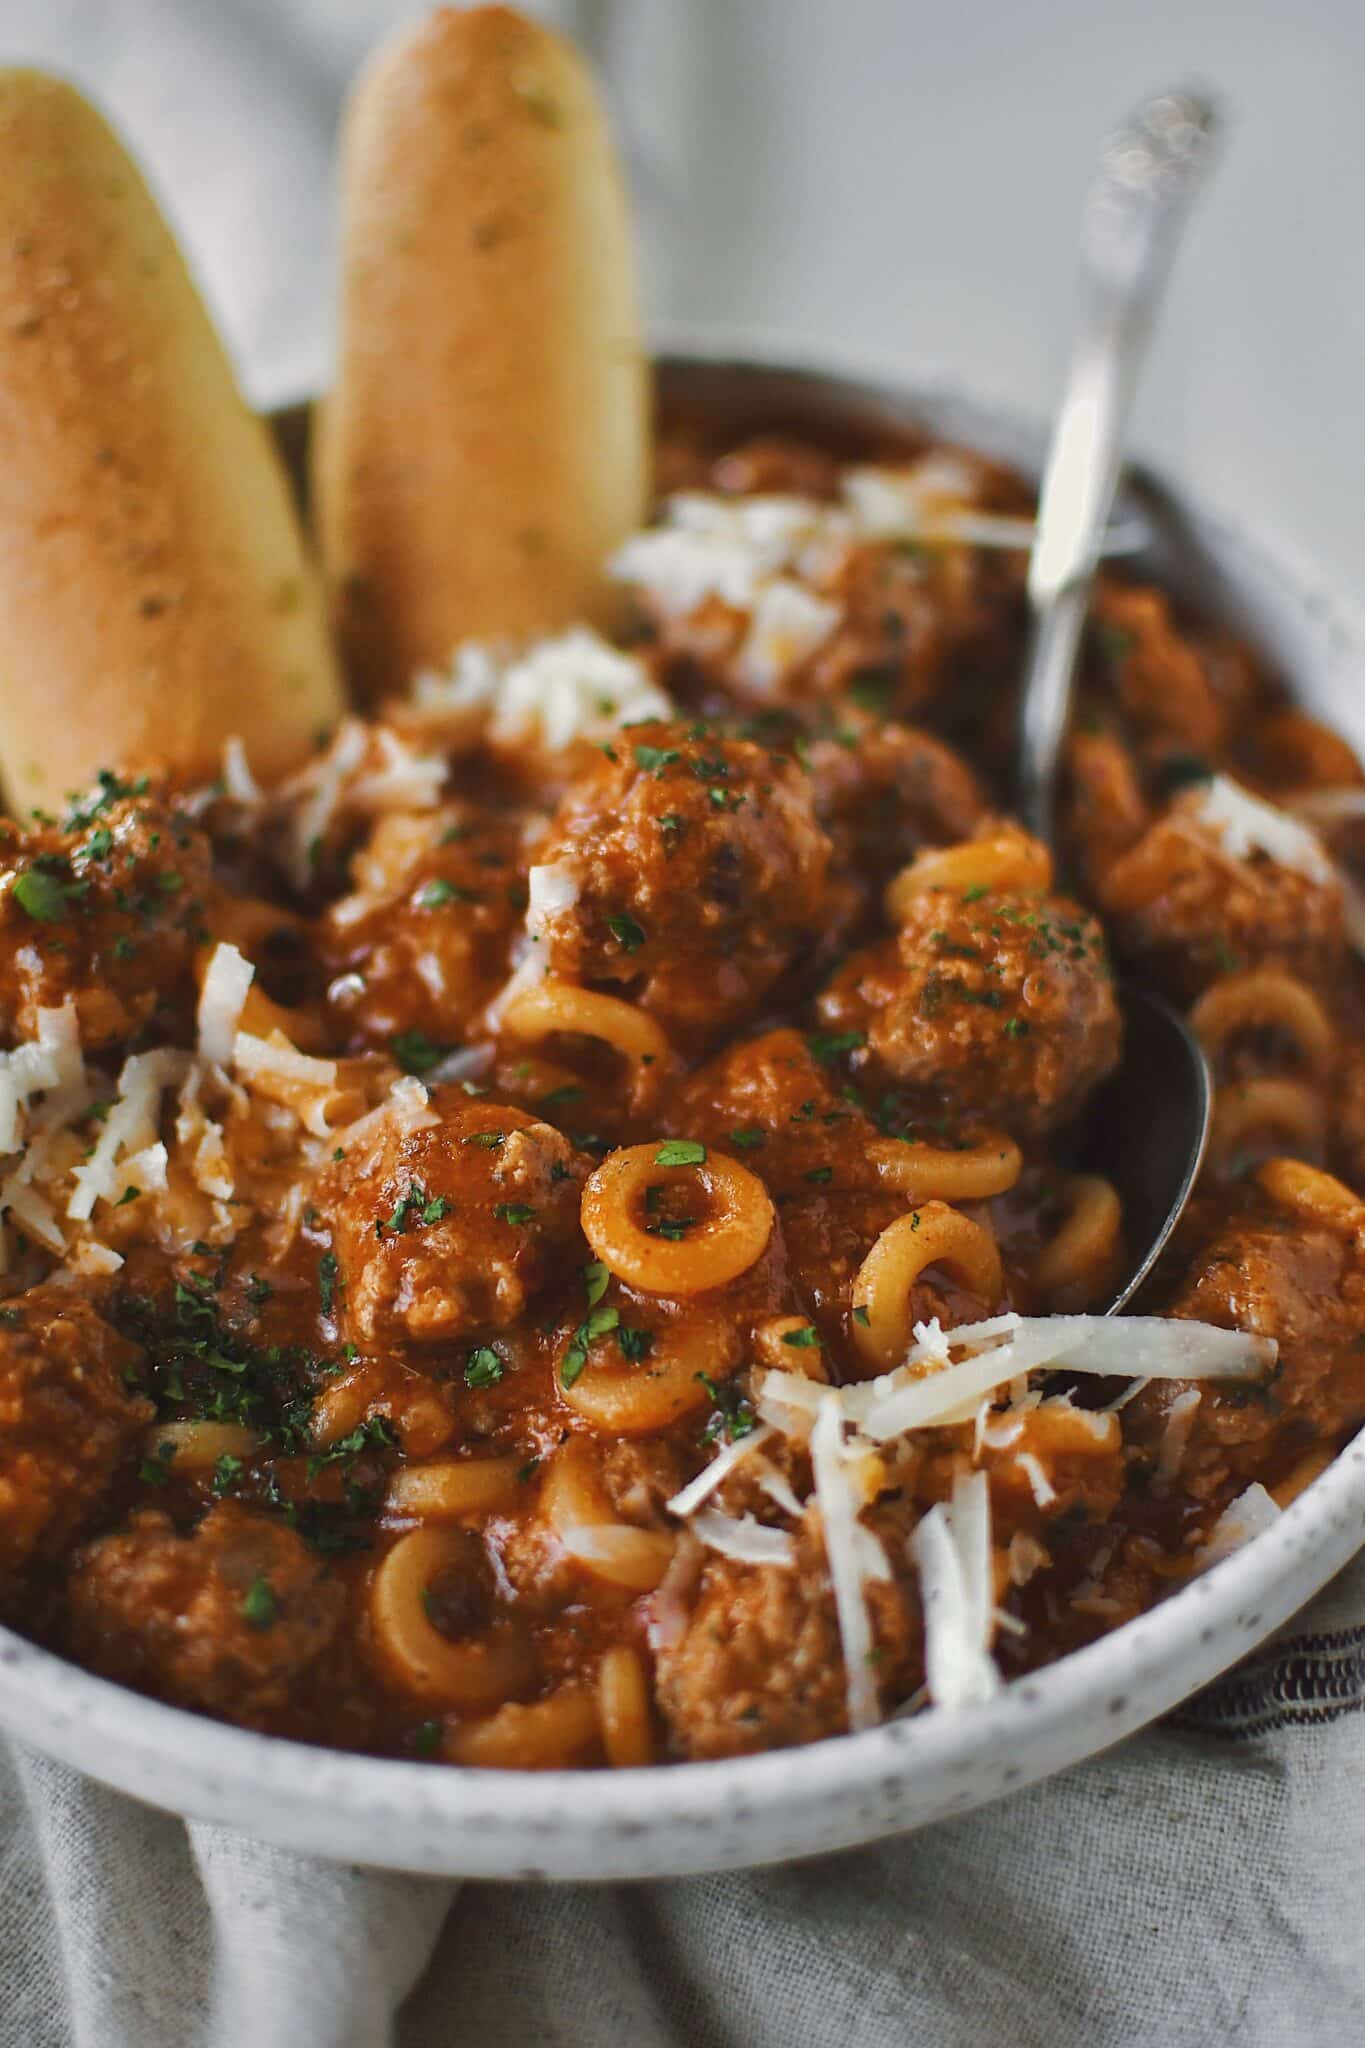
(668,1822)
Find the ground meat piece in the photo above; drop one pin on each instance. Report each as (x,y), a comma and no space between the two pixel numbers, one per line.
(423,941)
(1270,1273)
(759,1664)
(701,872)
(885,793)
(67,1419)
(232,1620)
(1181,692)
(454,1229)
(639,1476)
(773,1102)
(108,909)
(1004,1003)
(1188,912)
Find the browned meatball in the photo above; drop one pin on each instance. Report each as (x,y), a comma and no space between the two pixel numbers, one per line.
(455,1229)
(701,871)
(759,1664)
(1003,1004)
(883,791)
(1181,691)
(422,943)
(231,1620)
(67,1418)
(109,910)
(1265,1271)
(1189,913)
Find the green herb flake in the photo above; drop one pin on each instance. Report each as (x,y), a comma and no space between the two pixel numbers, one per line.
(820,1176)
(636,1343)
(595,1281)
(828,1046)
(627,933)
(861,1317)
(516,1213)
(45,897)
(680,1152)
(483,1368)
(747,1137)
(655,759)
(259,1606)
(327,1281)
(416,1053)
(805,1339)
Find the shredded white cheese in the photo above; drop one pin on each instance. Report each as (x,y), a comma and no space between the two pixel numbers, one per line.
(560,689)
(1251,1512)
(839,1505)
(721,1466)
(788,624)
(552,888)
(1244,824)
(743,1538)
(226,983)
(952,1550)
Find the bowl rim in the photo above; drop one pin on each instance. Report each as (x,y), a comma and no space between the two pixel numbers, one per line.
(741,1812)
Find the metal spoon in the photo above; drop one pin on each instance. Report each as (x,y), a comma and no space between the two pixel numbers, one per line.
(1147,1128)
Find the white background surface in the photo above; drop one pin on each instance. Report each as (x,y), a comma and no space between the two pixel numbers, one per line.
(892,173)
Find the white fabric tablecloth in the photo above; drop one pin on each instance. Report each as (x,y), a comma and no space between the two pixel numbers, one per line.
(1202,1886)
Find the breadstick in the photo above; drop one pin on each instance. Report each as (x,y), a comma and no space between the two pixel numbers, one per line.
(154,594)
(487,441)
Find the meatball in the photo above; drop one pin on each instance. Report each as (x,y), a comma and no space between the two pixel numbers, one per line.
(887,792)
(422,942)
(1182,693)
(1264,1271)
(232,1620)
(758,1663)
(701,874)
(1189,911)
(67,1418)
(454,1229)
(110,910)
(1003,1004)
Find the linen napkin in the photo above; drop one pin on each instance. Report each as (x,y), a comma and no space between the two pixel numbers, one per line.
(1201,1886)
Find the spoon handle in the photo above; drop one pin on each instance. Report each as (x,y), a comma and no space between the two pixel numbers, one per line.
(1149,175)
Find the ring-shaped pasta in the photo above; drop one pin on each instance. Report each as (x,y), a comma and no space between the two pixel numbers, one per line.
(549,1735)
(925,1173)
(552,1006)
(1076,1265)
(1316,1196)
(576,1506)
(721,1245)
(933,1235)
(478,1672)
(448,1489)
(194,1448)
(636,1399)
(1265,998)
(1011,860)
(623,1709)
(1291,1111)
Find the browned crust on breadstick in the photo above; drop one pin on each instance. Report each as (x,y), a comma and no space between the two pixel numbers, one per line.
(154,594)
(487,442)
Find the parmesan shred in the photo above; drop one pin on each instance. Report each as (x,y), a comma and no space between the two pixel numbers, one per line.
(555,691)
(1244,824)
(226,982)
(957,1376)
(551,889)
(1243,1518)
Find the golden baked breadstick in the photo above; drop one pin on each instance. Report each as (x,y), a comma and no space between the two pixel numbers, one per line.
(487,441)
(154,595)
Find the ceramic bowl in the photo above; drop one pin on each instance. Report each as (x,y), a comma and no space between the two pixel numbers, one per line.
(670,1821)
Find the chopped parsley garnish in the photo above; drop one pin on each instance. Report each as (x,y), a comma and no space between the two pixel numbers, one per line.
(861,1316)
(416,1206)
(516,1213)
(259,1606)
(828,1046)
(561,1097)
(156,1470)
(748,1136)
(1016,1027)
(427,1738)
(327,1281)
(655,759)
(594,1326)
(440,891)
(416,1053)
(627,933)
(820,1176)
(490,1140)
(44,895)
(805,1339)
(680,1152)
(12,1318)
(226,1473)
(636,1343)
(732,1416)
(595,1281)
(130,1194)
(483,1368)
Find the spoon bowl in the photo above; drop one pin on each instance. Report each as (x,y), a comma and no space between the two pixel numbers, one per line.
(1147,1128)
